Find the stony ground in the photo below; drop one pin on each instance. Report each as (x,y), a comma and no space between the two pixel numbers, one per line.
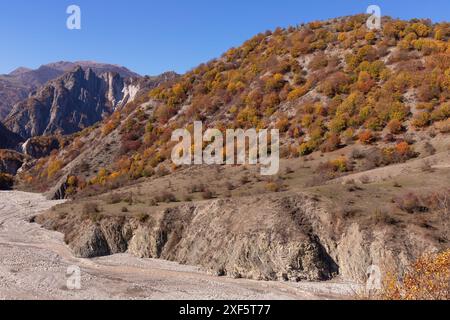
(34,264)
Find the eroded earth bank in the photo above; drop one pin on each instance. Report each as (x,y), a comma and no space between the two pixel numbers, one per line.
(34,262)
(280,237)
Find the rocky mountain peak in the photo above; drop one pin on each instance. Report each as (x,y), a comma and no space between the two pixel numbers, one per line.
(19,71)
(24,82)
(74,101)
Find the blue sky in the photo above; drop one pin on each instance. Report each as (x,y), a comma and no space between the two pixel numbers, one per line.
(151,37)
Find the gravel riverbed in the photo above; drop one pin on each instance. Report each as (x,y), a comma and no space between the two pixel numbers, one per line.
(34,263)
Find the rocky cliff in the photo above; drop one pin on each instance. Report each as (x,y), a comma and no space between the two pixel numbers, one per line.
(22,82)
(39,147)
(8,139)
(69,104)
(280,237)
(11,161)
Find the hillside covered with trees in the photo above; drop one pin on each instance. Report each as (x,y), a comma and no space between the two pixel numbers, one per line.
(324,85)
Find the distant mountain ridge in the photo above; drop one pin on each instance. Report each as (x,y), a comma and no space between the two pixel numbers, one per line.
(74,101)
(20,83)
(95,66)
(19,71)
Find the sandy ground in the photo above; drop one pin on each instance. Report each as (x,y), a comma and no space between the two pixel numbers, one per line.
(34,264)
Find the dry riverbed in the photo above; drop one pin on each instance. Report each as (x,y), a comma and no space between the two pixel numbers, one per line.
(34,263)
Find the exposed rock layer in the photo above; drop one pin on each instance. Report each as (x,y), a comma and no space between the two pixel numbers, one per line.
(75,101)
(11,161)
(286,238)
(22,82)
(8,139)
(69,104)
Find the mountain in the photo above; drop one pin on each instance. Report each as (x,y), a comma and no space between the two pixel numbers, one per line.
(20,83)
(19,71)
(324,85)
(364,126)
(97,67)
(75,101)
(8,139)
(11,92)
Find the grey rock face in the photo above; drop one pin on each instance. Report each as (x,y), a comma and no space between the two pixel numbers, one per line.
(23,82)
(289,237)
(40,147)
(91,243)
(68,104)
(8,139)
(209,234)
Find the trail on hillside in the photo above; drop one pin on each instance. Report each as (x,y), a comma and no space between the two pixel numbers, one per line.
(34,263)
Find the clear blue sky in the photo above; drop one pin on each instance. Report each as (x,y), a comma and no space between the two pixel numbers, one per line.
(151,37)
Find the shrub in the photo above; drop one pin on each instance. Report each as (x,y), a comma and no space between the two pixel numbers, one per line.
(298,92)
(331,144)
(53,167)
(289,170)
(429,149)
(443,126)
(143,217)
(441,113)
(332,169)
(422,119)
(381,216)
(90,208)
(162,171)
(282,124)
(208,194)
(318,62)
(340,164)
(307,148)
(439,202)
(92,212)
(274,186)
(364,179)
(403,149)
(395,126)
(366,137)
(357,154)
(400,153)
(410,203)
(130,146)
(115,198)
(274,83)
(335,84)
(197,188)
(338,123)
(166,197)
(365,82)
(229,186)
(245,179)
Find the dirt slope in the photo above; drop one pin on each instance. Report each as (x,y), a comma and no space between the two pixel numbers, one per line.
(34,264)
(287,236)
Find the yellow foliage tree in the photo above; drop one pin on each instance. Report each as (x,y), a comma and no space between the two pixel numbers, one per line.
(427,279)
